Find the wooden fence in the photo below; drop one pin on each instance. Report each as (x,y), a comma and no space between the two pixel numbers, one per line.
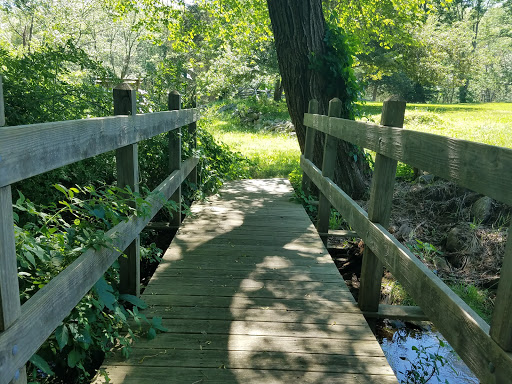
(482,168)
(30,150)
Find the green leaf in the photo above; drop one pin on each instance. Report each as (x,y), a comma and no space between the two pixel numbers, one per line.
(104,291)
(156,322)
(74,358)
(62,336)
(134,300)
(41,363)
(151,333)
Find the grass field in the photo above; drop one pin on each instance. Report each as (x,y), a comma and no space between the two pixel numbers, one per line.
(277,154)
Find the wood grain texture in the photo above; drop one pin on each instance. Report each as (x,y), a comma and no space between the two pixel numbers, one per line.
(174,103)
(400,312)
(501,325)
(466,332)
(379,210)
(309,145)
(480,167)
(9,289)
(253,313)
(44,311)
(28,150)
(2,107)
(328,165)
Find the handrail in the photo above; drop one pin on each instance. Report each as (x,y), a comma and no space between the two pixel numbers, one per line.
(29,150)
(484,351)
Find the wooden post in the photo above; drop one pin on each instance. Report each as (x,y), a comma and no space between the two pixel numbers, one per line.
(309,147)
(192,131)
(501,324)
(127,165)
(2,109)
(10,306)
(174,104)
(379,209)
(328,164)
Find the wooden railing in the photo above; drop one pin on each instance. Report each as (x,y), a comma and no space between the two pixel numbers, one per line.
(482,168)
(30,150)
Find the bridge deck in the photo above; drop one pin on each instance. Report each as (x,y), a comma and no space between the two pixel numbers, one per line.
(250,295)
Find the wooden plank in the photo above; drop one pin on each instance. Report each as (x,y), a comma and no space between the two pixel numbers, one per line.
(274,328)
(501,324)
(128,375)
(349,323)
(399,312)
(44,311)
(174,145)
(127,166)
(483,168)
(466,332)
(379,210)
(257,292)
(2,108)
(28,150)
(328,165)
(10,308)
(309,146)
(243,300)
(272,360)
(287,344)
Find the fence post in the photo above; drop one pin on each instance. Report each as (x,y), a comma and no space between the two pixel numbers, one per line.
(501,324)
(328,165)
(379,209)
(192,132)
(10,307)
(127,165)
(309,147)
(174,104)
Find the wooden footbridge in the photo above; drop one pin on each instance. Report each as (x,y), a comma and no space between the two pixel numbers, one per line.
(247,290)
(250,295)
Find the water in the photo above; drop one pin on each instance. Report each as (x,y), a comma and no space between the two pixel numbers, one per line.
(397,340)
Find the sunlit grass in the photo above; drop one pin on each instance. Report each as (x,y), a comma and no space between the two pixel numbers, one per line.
(488,123)
(273,154)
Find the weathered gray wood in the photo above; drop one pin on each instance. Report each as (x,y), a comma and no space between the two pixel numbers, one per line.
(2,108)
(501,325)
(480,167)
(192,133)
(339,233)
(309,145)
(127,375)
(379,209)
(466,332)
(328,164)
(127,165)
(257,317)
(174,103)
(10,308)
(44,311)
(399,312)
(28,150)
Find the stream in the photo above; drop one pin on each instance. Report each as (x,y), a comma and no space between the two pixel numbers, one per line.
(397,340)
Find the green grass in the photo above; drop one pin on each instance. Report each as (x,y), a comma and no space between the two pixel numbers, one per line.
(273,154)
(478,299)
(277,155)
(487,123)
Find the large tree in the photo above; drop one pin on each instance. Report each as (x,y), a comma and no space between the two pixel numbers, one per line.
(300,35)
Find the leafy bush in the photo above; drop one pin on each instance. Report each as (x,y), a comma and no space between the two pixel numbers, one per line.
(48,239)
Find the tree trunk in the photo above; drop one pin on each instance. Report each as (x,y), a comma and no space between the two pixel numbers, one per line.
(299,30)
(278,90)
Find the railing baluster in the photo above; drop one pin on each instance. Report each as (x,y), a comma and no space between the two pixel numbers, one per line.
(127,165)
(379,210)
(501,324)
(174,104)
(328,165)
(10,307)
(313,108)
